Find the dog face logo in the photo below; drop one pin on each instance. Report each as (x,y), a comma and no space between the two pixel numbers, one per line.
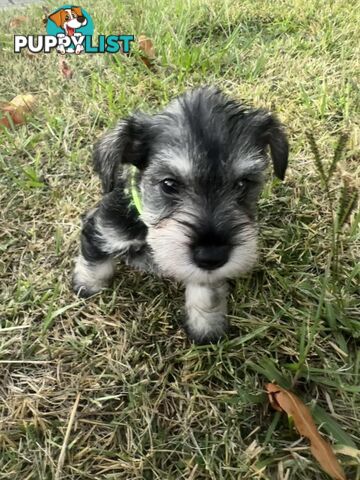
(70,29)
(69,19)
(72,22)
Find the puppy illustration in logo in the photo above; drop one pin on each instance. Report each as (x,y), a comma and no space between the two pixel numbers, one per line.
(69,19)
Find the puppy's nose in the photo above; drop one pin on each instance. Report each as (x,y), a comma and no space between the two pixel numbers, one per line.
(211,257)
(81,19)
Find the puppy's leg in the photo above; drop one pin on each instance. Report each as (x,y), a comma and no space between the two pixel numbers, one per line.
(109,230)
(206,307)
(61,48)
(94,267)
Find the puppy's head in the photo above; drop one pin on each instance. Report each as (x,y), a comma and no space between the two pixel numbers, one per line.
(201,166)
(71,17)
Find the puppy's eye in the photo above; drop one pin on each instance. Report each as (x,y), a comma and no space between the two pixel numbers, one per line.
(242,184)
(169,186)
(67,17)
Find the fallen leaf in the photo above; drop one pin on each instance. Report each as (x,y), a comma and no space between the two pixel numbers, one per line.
(284,401)
(147,47)
(17,109)
(17,118)
(25,102)
(65,69)
(17,21)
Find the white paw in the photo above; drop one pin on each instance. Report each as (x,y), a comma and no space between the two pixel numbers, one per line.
(90,278)
(79,49)
(206,308)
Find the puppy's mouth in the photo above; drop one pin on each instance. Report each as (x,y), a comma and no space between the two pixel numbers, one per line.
(70,31)
(75,23)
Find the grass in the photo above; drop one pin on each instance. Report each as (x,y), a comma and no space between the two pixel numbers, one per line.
(145,403)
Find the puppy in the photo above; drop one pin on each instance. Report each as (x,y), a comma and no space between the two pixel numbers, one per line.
(180,192)
(69,19)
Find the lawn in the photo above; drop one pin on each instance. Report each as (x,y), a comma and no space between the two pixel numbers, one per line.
(111,388)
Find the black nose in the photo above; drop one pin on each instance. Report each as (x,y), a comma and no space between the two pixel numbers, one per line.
(81,19)
(211,257)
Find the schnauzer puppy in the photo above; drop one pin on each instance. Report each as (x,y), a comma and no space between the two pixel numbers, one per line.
(180,191)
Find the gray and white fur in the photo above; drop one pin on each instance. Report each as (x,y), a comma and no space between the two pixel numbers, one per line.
(200,166)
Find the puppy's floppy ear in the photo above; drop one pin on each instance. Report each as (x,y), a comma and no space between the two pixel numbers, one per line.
(269,131)
(58,17)
(78,11)
(128,142)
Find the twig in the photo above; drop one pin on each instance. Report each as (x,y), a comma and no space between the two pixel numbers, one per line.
(10,329)
(32,362)
(66,439)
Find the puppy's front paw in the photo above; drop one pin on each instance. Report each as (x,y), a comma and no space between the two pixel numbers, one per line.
(79,49)
(205,305)
(81,290)
(202,330)
(90,278)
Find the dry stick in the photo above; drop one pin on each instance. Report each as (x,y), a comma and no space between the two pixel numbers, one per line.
(10,329)
(66,438)
(31,362)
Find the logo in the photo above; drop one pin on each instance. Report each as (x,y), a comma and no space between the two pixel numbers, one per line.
(70,29)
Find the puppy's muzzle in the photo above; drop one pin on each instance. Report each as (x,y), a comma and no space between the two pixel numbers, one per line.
(211,257)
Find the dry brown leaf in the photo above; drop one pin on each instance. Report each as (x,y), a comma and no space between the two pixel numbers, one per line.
(65,69)
(147,47)
(17,109)
(17,21)
(285,401)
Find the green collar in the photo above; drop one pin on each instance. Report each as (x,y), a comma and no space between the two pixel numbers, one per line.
(135,194)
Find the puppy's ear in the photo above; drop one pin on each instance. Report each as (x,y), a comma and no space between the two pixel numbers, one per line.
(269,131)
(128,142)
(58,18)
(78,11)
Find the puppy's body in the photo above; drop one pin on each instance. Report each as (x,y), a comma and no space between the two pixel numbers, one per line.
(198,167)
